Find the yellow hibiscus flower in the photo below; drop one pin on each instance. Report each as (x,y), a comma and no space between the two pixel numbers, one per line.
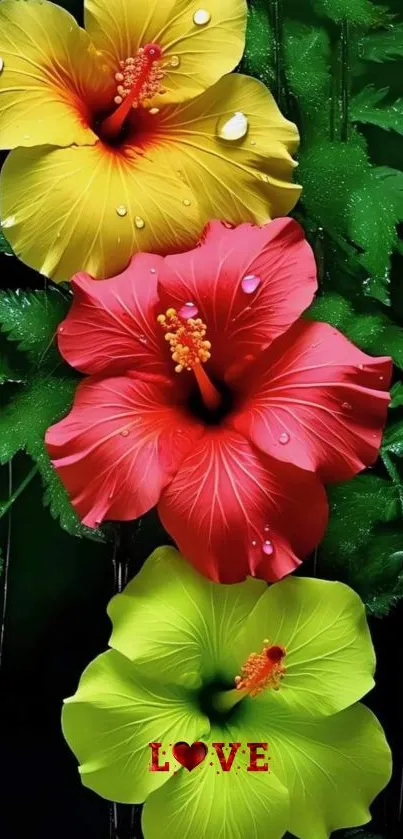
(129,135)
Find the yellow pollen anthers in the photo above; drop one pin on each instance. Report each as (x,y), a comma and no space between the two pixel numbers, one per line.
(142,75)
(186,338)
(262,670)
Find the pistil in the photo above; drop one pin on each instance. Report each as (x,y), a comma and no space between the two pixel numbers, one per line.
(260,672)
(140,78)
(190,350)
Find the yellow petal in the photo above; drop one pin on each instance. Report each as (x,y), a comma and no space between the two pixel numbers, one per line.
(201,39)
(52,80)
(90,208)
(247,178)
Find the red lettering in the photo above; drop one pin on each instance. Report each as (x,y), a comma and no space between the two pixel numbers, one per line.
(226,763)
(255,756)
(155,764)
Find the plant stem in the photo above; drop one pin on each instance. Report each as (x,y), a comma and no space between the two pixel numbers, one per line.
(6,564)
(4,508)
(344,81)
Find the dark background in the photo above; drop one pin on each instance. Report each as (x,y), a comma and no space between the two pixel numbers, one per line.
(57,590)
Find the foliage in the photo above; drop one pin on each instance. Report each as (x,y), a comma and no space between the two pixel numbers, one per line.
(40,393)
(333,54)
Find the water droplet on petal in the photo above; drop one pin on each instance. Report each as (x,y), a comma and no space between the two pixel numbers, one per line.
(187,202)
(1,65)
(125,432)
(266,528)
(121,210)
(268,547)
(360,366)
(253,142)
(175,61)
(142,339)
(233,128)
(284,438)
(139,222)
(347,406)
(201,17)
(154,111)
(250,283)
(189,310)
(61,329)
(153,270)
(381,378)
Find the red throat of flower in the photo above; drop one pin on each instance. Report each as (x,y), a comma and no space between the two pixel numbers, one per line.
(139,79)
(189,349)
(262,670)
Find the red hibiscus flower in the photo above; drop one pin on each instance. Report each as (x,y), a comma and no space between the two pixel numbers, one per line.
(210,397)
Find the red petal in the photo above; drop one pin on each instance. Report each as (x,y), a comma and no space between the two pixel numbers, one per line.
(317,401)
(228,503)
(120,446)
(111,326)
(240,324)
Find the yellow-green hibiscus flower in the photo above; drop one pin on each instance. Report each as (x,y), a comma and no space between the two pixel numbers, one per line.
(128,136)
(191,660)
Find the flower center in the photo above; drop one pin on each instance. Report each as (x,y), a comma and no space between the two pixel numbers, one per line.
(262,670)
(139,78)
(189,349)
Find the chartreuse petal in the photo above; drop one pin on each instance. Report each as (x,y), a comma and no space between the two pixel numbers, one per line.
(52,81)
(330,658)
(208,802)
(113,717)
(333,767)
(89,208)
(201,52)
(178,625)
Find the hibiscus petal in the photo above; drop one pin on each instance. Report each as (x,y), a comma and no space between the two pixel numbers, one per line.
(114,715)
(274,261)
(322,625)
(213,803)
(233,512)
(343,758)
(91,208)
(248,179)
(120,446)
(202,52)
(317,401)
(182,639)
(111,326)
(52,82)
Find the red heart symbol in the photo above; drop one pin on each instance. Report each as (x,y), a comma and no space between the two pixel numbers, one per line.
(189,756)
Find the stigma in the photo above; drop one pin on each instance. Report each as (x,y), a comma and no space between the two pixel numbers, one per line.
(186,339)
(139,79)
(262,670)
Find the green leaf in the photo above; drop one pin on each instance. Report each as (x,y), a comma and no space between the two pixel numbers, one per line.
(307,55)
(364,539)
(5,247)
(30,318)
(259,49)
(362,322)
(397,395)
(381,46)
(359,12)
(23,423)
(363,108)
(7,372)
(375,208)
